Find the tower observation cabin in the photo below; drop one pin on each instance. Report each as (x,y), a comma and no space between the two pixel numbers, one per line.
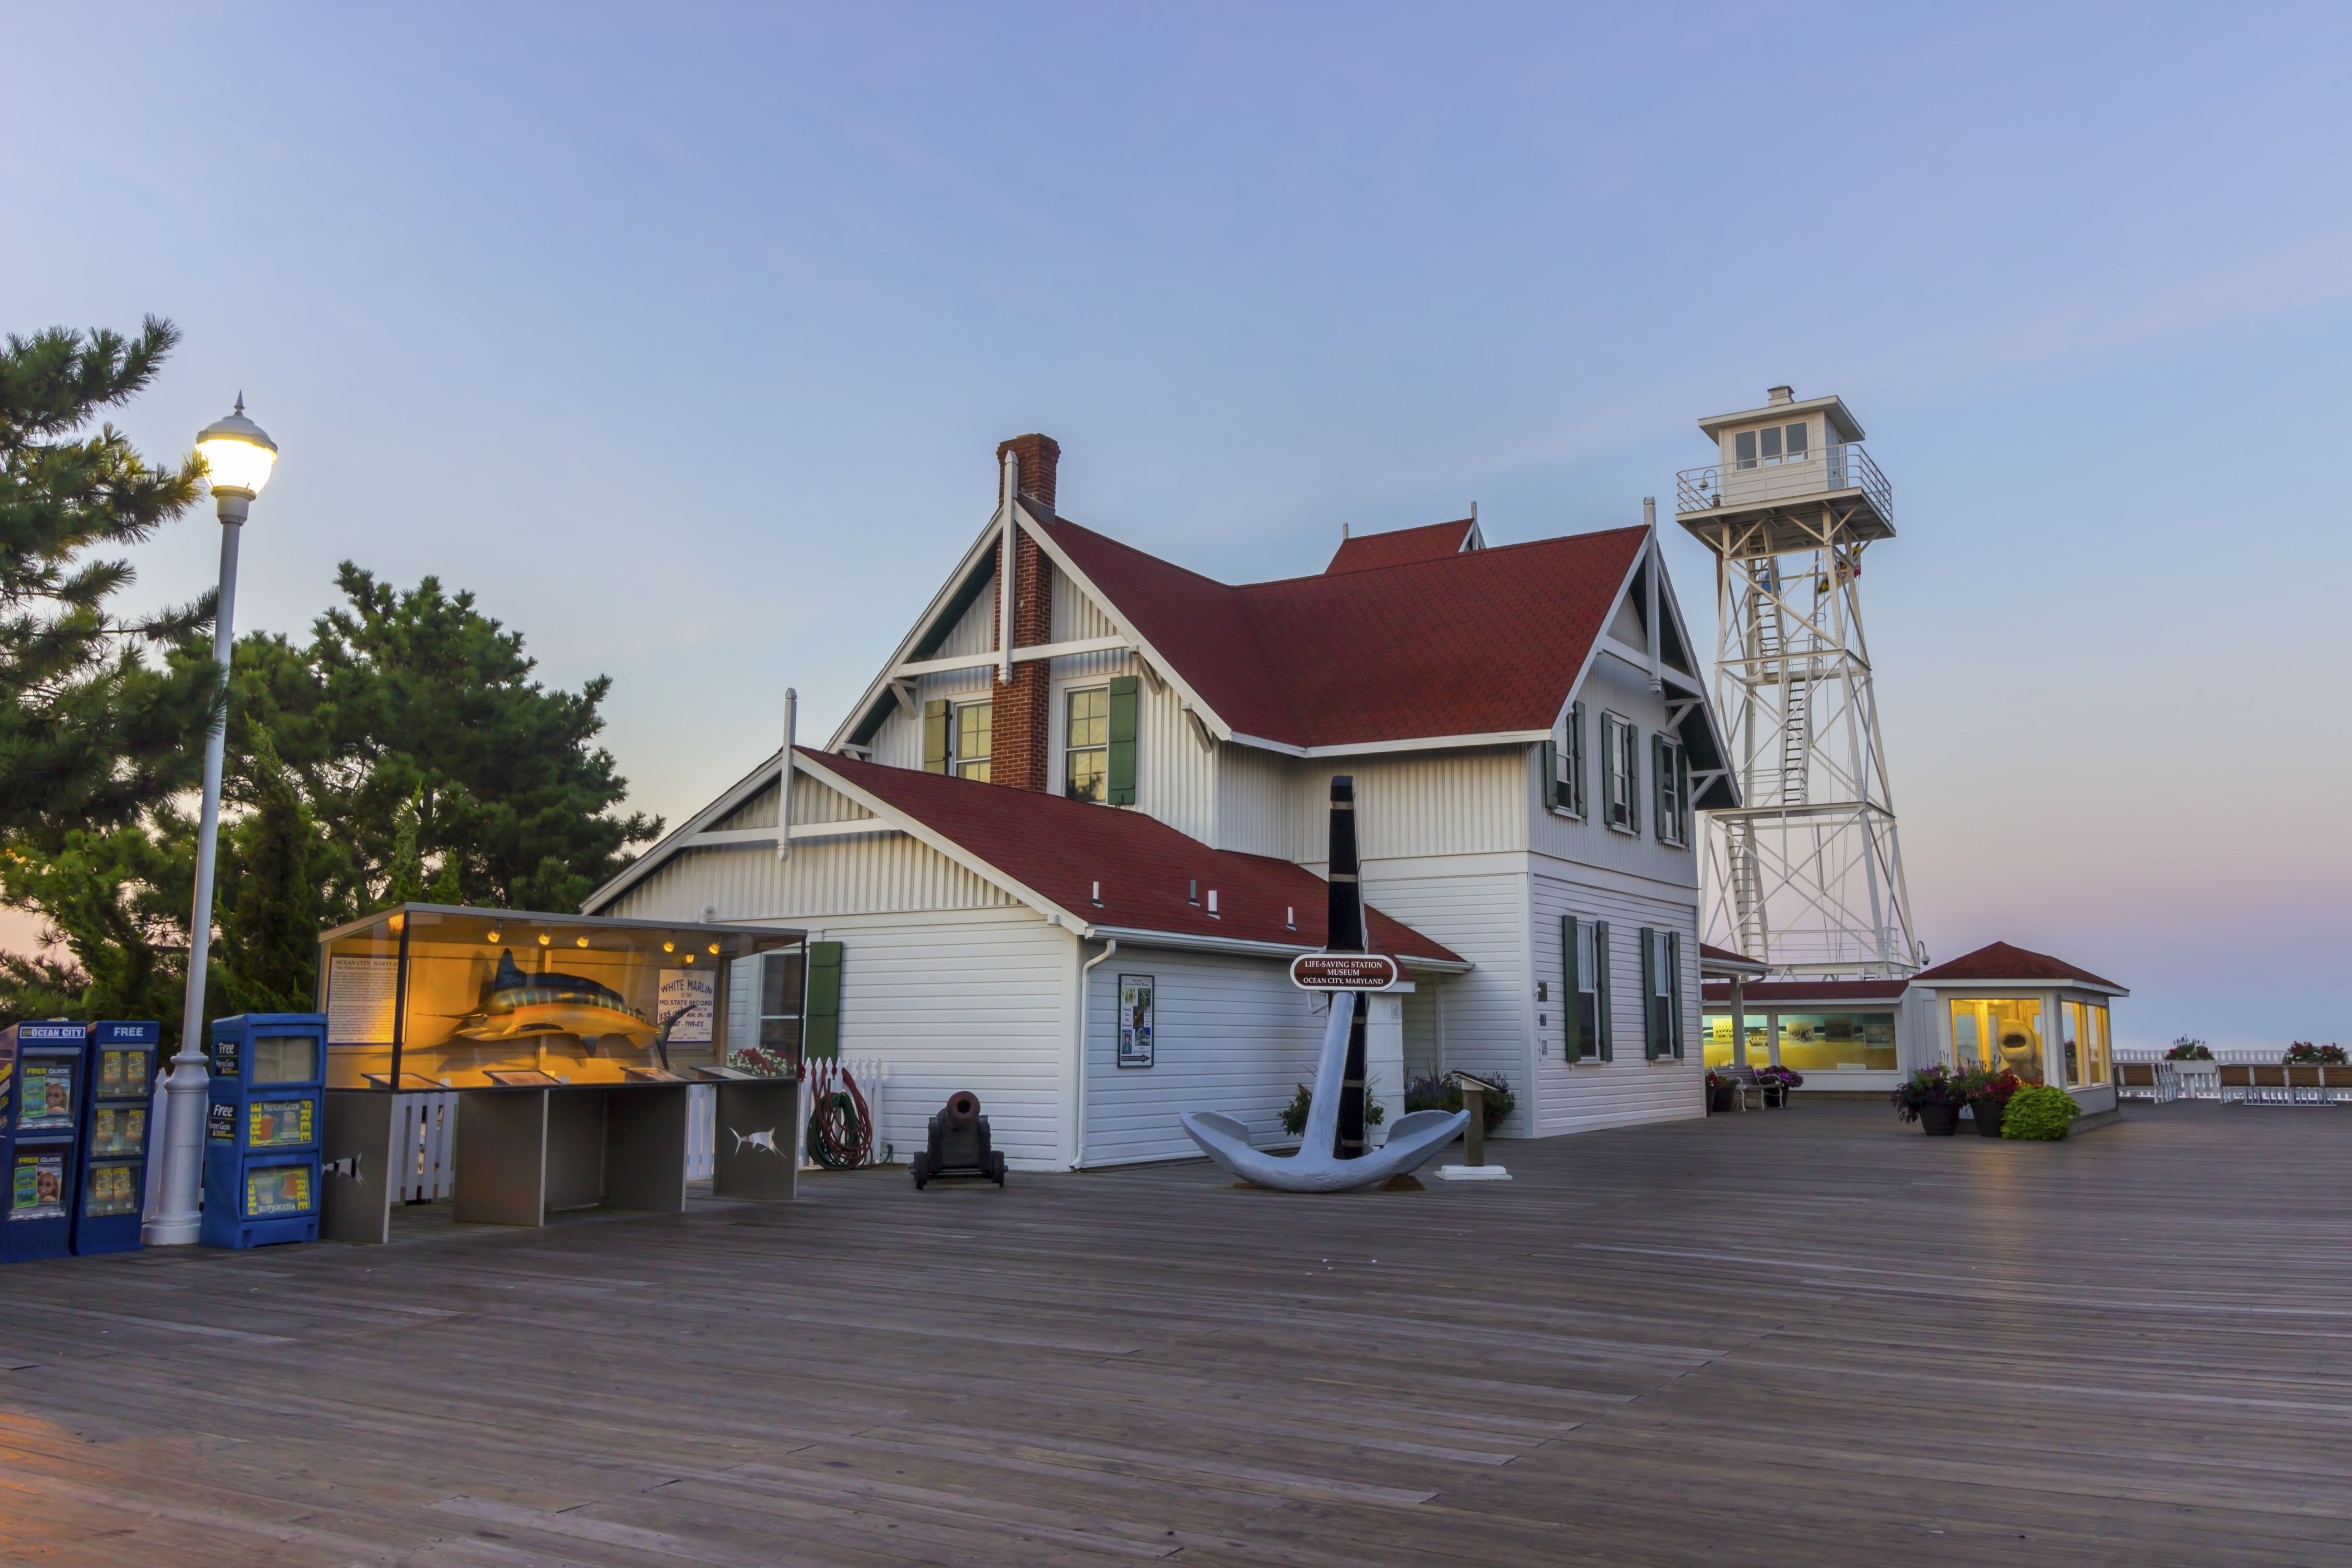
(1804,875)
(1791,476)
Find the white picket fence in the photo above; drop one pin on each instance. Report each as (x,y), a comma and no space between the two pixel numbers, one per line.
(425,1147)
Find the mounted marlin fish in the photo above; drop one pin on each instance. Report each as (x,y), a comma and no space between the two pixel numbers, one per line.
(1331,1156)
(516,1004)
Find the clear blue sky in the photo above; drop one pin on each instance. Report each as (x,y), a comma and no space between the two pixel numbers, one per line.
(683,336)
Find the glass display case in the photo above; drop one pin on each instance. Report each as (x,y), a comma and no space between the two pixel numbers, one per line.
(428,997)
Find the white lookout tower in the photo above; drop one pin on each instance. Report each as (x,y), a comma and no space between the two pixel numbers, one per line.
(1805,875)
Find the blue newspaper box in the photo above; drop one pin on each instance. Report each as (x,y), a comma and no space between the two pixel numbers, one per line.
(262,1123)
(112,1186)
(43,1068)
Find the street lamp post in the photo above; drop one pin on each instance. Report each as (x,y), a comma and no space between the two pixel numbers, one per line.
(239,456)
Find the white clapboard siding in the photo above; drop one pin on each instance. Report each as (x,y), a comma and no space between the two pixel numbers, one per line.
(978,1000)
(1624,691)
(423,1146)
(1477,908)
(1232,1035)
(1588,1095)
(882,874)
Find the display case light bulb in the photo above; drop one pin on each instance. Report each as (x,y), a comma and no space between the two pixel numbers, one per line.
(580,941)
(669,947)
(398,920)
(689,958)
(545,939)
(714,950)
(492,938)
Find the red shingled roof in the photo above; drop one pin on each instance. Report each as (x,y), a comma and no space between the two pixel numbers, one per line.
(1362,551)
(1479,643)
(1059,848)
(2000,961)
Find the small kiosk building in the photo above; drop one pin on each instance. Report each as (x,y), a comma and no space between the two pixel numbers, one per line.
(571,1041)
(2000,1006)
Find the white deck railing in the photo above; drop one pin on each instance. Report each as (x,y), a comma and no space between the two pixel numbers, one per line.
(1844,466)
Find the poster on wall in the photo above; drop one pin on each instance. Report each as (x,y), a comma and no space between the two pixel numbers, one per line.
(1135,1023)
(361,993)
(691,997)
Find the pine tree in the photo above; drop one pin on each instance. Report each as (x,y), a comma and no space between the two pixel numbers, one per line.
(91,734)
(270,924)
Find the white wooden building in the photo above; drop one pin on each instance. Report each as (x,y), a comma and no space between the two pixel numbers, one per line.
(1116,776)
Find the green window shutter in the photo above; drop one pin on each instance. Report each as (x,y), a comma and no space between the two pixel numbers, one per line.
(1571,994)
(1649,994)
(1121,761)
(1675,991)
(821,1029)
(1631,740)
(1576,758)
(1601,989)
(1659,778)
(1682,790)
(1549,760)
(935,736)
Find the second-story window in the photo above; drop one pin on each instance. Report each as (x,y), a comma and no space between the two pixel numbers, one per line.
(974,734)
(1086,756)
(1621,759)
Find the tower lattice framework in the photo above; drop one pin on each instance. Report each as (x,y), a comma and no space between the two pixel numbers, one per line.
(1806,874)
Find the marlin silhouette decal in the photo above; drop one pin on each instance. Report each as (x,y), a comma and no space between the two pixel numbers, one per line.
(515,1005)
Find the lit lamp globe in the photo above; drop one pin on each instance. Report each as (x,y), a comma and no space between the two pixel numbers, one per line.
(239,454)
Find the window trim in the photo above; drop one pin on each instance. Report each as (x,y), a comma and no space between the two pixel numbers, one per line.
(1621,742)
(1070,693)
(956,761)
(1670,761)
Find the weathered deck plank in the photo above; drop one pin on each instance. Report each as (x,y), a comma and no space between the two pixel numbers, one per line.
(1797,1338)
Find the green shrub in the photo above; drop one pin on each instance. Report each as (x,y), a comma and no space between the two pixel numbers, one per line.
(1445,1094)
(2038,1112)
(1293,1115)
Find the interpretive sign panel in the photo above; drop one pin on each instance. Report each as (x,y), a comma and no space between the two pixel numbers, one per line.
(1343,971)
(362,991)
(1136,1025)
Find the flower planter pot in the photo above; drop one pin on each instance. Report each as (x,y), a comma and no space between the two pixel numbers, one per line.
(1776,1095)
(1719,1100)
(1988,1115)
(1939,1121)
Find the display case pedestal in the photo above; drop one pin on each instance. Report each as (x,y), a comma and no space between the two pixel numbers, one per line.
(524,1154)
(755,1150)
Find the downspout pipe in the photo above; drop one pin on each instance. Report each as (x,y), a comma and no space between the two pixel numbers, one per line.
(1086,972)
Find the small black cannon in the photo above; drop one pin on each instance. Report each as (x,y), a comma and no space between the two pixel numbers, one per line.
(958,1143)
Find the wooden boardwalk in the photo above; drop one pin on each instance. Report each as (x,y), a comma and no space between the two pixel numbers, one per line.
(1801,1337)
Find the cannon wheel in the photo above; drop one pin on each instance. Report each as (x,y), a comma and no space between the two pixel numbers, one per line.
(996,1167)
(921,1167)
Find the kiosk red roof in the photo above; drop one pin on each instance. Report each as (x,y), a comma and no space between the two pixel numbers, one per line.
(1768,993)
(1999,960)
(1060,849)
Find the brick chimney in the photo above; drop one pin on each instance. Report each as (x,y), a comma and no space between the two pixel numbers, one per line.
(1020,721)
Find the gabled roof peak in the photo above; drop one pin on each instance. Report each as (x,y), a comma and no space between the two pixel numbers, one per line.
(1434,542)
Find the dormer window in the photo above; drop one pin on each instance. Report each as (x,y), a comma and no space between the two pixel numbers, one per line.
(1773,444)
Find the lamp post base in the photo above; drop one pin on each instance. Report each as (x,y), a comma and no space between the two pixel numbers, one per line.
(185,1094)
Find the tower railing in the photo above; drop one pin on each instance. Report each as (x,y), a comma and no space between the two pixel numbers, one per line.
(1843,466)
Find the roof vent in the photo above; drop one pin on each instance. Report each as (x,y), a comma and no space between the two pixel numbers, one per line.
(1773,395)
